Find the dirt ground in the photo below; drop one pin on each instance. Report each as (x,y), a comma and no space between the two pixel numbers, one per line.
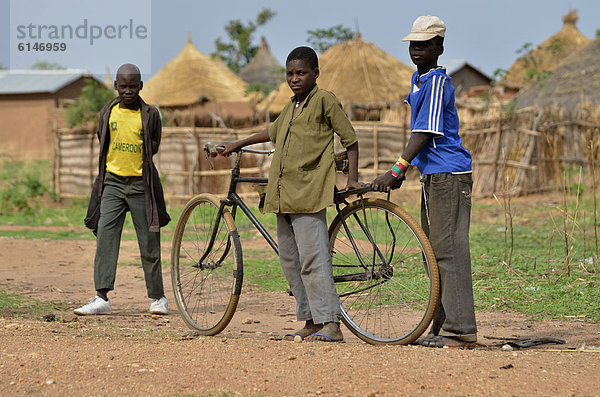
(133,353)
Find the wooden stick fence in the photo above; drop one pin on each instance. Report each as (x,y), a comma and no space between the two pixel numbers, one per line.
(518,154)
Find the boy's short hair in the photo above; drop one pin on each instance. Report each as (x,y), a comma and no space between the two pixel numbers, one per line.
(305,54)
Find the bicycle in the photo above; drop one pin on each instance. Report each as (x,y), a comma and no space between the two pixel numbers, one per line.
(384,268)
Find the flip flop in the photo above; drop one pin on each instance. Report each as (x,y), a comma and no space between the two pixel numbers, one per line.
(328,339)
(443,341)
(420,341)
(291,337)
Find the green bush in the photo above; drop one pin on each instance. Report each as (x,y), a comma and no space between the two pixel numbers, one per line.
(93,97)
(20,187)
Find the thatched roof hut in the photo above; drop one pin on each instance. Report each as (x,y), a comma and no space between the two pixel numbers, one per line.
(276,100)
(575,81)
(263,68)
(193,77)
(359,73)
(547,55)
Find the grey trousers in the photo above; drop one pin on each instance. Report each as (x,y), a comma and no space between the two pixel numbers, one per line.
(446,217)
(304,256)
(122,194)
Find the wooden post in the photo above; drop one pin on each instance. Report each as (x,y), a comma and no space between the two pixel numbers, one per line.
(91,160)
(375,152)
(56,164)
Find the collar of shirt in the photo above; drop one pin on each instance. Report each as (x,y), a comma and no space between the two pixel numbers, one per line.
(425,76)
(310,94)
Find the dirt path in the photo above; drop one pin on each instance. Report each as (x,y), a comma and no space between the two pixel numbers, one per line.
(132,353)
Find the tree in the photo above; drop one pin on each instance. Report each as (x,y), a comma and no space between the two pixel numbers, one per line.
(93,96)
(239,50)
(45,65)
(323,39)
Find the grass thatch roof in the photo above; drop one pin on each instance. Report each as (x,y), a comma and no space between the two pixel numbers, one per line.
(547,55)
(355,71)
(276,100)
(361,72)
(575,81)
(193,77)
(263,68)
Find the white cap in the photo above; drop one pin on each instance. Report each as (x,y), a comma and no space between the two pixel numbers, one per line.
(426,28)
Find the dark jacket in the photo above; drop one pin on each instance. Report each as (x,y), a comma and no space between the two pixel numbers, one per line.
(156,211)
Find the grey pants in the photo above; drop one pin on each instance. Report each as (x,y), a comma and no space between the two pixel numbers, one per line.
(446,217)
(122,194)
(304,256)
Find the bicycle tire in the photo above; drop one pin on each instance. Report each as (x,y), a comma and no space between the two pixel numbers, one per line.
(206,293)
(390,300)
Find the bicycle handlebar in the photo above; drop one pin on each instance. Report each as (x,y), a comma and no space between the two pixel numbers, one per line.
(212,150)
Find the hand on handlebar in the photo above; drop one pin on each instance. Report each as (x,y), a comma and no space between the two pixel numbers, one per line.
(230,147)
(385,182)
(223,149)
(354,185)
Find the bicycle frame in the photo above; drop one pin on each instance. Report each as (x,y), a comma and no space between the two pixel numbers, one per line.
(234,200)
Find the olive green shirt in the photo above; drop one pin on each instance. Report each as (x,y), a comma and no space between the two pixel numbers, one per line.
(302,172)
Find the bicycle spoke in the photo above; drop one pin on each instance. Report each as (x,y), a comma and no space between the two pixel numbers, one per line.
(393,301)
(204,266)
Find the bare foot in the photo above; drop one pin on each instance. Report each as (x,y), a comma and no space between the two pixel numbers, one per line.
(330,332)
(309,328)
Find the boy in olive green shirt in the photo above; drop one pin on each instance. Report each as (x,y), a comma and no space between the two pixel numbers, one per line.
(301,187)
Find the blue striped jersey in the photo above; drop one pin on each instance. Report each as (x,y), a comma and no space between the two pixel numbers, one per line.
(432,111)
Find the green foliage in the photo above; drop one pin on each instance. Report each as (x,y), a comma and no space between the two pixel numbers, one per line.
(93,97)
(263,88)
(239,50)
(524,48)
(499,73)
(20,187)
(45,65)
(322,39)
(536,76)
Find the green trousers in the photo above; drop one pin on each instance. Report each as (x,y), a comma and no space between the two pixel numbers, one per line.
(122,194)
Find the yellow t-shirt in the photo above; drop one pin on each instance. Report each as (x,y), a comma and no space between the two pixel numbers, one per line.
(124,157)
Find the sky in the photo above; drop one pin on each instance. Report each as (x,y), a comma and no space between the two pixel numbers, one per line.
(487,34)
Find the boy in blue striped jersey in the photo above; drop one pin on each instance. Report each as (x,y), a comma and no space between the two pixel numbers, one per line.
(435,148)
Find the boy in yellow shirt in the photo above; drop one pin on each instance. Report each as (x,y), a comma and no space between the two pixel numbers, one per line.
(129,132)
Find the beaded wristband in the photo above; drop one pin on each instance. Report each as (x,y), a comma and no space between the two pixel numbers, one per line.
(400,167)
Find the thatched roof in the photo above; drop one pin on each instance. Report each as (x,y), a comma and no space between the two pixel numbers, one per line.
(193,77)
(355,71)
(263,68)
(549,54)
(361,72)
(576,80)
(276,100)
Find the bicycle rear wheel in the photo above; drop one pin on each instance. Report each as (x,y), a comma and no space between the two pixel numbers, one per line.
(207,278)
(388,290)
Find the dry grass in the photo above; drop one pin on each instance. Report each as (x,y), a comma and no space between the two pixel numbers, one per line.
(193,77)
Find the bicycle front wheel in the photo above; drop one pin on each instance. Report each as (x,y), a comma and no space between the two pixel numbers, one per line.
(385,272)
(206,272)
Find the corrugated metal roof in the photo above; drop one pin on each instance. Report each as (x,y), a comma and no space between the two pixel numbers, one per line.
(38,81)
